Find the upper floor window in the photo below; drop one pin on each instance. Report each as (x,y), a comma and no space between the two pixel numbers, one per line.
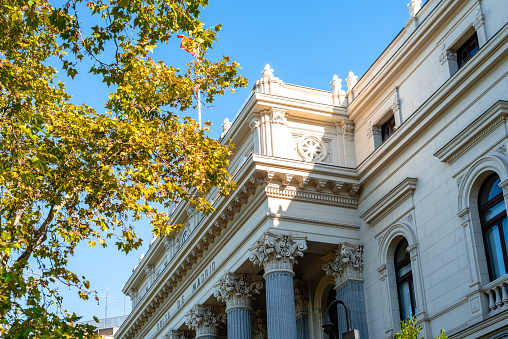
(467,50)
(404,277)
(494,225)
(387,128)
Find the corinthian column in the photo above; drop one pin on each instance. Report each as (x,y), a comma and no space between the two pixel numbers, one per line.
(205,320)
(346,264)
(277,253)
(237,291)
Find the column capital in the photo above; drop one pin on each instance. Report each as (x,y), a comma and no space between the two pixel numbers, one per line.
(205,320)
(277,252)
(301,297)
(237,290)
(344,263)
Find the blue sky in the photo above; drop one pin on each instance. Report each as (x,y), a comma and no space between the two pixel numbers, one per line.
(305,44)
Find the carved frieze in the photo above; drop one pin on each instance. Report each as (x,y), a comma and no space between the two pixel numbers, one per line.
(345,263)
(277,251)
(205,319)
(348,129)
(237,289)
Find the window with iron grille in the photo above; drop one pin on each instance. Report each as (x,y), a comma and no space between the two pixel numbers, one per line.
(387,129)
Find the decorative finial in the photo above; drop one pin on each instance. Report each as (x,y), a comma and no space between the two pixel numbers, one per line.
(226,125)
(267,71)
(336,85)
(351,80)
(414,6)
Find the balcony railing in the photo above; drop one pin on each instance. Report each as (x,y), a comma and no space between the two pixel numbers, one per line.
(498,294)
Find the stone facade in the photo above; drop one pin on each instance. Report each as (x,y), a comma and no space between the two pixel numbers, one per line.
(341,193)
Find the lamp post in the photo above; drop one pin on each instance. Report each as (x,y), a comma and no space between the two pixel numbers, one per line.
(329,326)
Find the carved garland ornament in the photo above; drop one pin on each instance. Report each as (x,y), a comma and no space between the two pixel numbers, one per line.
(205,319)
(237,289)
(311,148)
(276,252)
(346,263)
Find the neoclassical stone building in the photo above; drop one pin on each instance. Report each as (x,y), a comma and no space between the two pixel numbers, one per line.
(390,194)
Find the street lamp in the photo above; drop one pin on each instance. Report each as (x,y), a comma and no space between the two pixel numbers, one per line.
(329,327)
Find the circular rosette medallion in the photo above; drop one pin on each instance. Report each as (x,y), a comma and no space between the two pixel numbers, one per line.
(311,148)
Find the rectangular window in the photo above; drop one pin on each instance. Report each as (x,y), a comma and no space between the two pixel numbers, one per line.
(467,50)
(387,128)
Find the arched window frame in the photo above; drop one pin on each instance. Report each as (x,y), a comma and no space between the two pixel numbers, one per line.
(407,277)
(497,220)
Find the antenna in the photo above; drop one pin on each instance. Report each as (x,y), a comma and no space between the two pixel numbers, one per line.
(109,299)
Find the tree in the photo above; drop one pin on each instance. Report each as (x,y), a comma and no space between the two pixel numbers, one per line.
(69,173)
(410,329)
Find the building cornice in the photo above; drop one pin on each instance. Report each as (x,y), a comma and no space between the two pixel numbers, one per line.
(441,100)
(473,133)
(390,201)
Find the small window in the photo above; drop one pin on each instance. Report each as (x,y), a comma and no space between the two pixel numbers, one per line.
(404,276)
(467,50)
(494,225)
(387,128)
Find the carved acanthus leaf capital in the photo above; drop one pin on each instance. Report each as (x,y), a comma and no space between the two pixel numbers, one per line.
(277,251)
(346,263)
(205,319)
(237,289)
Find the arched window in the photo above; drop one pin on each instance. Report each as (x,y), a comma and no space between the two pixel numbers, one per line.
(404,277)
(492,210)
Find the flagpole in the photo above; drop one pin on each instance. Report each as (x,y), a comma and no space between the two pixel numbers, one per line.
(199,107)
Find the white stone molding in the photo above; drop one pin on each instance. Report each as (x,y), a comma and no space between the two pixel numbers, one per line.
(315,197)
(502,149)
(374,130)
(254,124)
(237,290)
(205,320)
(414,7)
(338,94)
(301,297)
(494,117)
(259,325)
(479,21)
(268,84)
(348,130)
(311,149)
(277,252)
(447,55)
(479,25)
(344,263)
(390,201)
(396,108)
(354,189)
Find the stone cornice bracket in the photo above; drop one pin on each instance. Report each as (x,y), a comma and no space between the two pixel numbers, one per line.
(303,181)
(301,297)
(446,55)
(374,130)
(167,244)
(205,320)
(348,129)
(414,7)
(479,20)
(319,184)
(354,189)
(337,186)
(344,263)
(269,176)
(237,290)
(277,252)
(286,179)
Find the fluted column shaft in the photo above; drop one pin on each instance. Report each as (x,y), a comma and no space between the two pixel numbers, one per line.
(239,322)
(280,305)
